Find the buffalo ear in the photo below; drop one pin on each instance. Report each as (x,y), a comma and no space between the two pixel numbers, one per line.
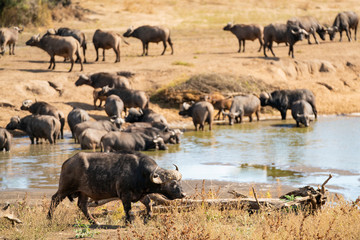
(155,178)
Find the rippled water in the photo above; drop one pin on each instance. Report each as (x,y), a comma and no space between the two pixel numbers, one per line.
(263,152)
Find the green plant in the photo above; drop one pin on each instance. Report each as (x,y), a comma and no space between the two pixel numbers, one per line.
(180,63)
(84,231)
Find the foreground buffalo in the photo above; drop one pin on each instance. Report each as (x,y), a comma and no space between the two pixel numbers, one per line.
(284,99)
(5,140)
(129,176)
(149,34)
(37,126)
(243,106)
(282,33)
(302,112)
(200,112)
(344,21)
(131,141)
(43,108)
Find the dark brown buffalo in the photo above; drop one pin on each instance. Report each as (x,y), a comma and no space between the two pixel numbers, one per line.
(129,176)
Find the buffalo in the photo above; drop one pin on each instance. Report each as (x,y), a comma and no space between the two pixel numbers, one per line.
(130,97)
(311,25)
(282,33)
(113,108)
(200,112)
(54,45)
(44,108)
(9,36)
(100,125)
(129,176)
(246,32)
(284,99)
(132,141)
(171,136)
(76,116)
(5,140)
(102,79)
(145,115)
(344,21)
(107,40)
(244,105)
(90,138)
(302,112)
(37,126)
(149,34)
(77,34)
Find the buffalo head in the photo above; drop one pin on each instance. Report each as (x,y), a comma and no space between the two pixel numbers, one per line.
(332,31)
(14,123)
(33,41)
(26,104)
(305,119)
(129,32)
(169,181)
(134,115)
(159,143)
(228,26)
(83,79)
(265,98)
(322,32)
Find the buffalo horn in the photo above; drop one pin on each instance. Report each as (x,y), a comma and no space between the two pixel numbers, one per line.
(176,167)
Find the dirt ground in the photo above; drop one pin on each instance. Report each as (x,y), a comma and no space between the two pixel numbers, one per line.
(331,69)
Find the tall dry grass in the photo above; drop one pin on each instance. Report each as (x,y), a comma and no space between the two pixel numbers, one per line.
(339,219)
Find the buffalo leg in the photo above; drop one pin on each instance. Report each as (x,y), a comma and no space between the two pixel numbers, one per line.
(239,46)
(55,201)
(144,47)
(250,118)
(171,45)
(53,61)
(147,202)
(129,216)
(244,45)
(72,64)
(283,114)
(257,115)
(164,43)
(84,55)
(348,34)
(265,46)
(82,204)
(103,54)
(261,44)
(340,32)
(270,47)
(50,63)
(97,54)
(13,49)
(218,115)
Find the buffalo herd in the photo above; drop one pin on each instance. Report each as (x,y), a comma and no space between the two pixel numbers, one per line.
(123,172)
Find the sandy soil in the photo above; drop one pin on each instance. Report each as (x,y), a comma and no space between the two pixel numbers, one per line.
(331,69)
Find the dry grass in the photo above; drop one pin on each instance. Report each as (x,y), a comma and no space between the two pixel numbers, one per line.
(337,220)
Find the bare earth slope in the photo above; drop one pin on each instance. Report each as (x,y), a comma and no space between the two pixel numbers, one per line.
(330,69)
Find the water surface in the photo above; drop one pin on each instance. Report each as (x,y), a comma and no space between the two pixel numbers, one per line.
(261,152)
